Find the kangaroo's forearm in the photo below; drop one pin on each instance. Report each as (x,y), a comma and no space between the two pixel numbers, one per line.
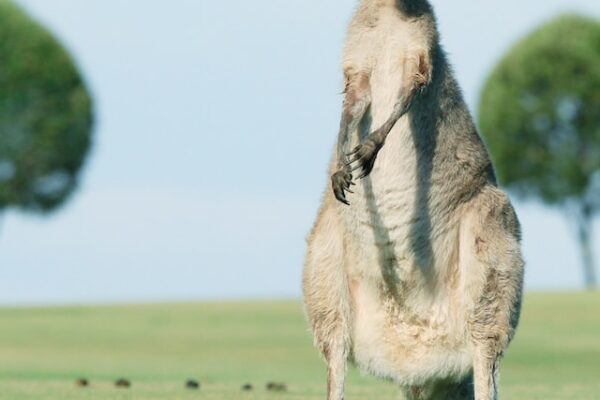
(351,116)
(401,107)
(356,102)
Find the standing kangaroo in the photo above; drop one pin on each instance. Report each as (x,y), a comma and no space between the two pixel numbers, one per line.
(414,272)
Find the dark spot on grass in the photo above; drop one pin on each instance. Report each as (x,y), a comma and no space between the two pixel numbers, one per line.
(122,383)
(276,387)
(247,387)
(82,382)
(192,384)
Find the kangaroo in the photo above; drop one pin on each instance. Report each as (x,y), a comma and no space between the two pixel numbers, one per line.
(413,270)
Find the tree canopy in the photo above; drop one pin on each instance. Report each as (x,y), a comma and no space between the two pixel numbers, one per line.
(45,115)
(539,113)
(540,116)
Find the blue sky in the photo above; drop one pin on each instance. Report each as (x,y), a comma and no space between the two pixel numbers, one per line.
(215,125)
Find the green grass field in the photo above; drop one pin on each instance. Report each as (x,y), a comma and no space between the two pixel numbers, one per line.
(556,354)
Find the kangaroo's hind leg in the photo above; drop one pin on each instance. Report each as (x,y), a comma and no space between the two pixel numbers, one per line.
(326,297)
(493,265)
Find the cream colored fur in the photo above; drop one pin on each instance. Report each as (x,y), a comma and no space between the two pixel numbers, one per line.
(419,280)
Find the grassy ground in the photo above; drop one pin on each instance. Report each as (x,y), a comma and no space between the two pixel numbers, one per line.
(556,354)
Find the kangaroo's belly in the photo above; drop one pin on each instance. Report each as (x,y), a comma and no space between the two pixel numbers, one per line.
(410,317)
(408,342)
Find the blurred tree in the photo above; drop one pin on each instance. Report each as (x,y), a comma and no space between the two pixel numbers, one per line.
(45,116)
(540,115)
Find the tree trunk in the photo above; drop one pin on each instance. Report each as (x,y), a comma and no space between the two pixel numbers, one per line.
(585,245)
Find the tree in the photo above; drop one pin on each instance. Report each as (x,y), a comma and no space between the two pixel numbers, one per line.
(45,116)
(540,116)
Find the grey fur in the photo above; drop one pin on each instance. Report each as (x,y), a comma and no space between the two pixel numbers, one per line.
(419,280)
